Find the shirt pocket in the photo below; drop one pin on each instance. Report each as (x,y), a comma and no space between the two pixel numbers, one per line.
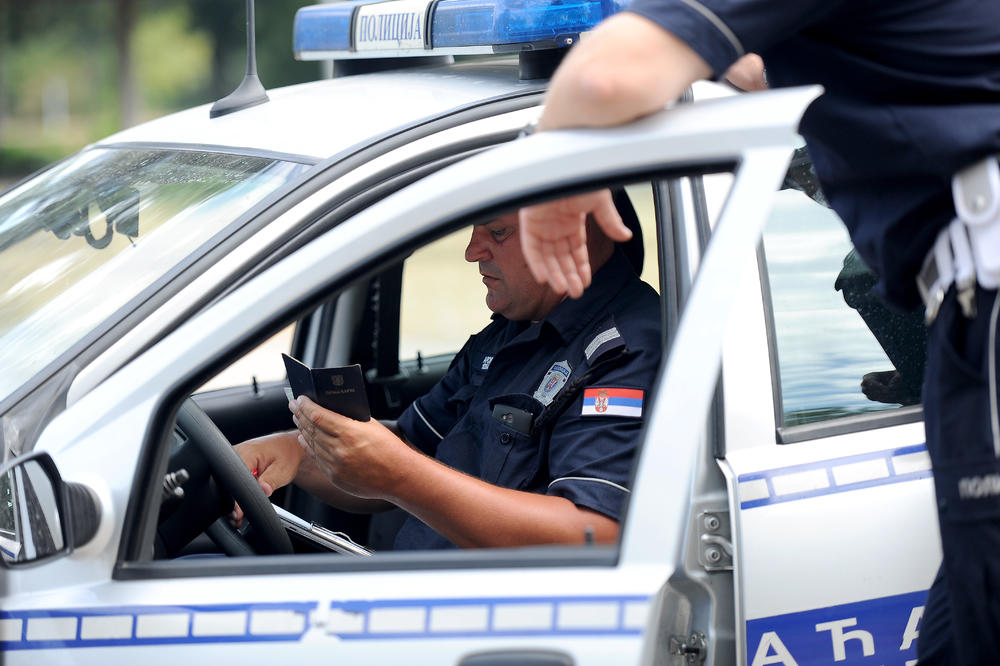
(511,456)
(459,401)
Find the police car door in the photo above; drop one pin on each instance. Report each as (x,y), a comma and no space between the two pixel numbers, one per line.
(111,604)
(834,536)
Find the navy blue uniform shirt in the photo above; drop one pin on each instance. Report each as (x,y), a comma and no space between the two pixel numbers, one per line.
(912,95)
(581,376)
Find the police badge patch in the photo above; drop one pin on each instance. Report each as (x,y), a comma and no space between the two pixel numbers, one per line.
(552,382)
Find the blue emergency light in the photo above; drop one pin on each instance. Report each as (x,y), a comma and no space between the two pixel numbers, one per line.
(368,29)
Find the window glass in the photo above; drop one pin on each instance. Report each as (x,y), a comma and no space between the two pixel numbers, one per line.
(84,238)
(442,299)
(263,364)
(834,337)
(442,304)
(641,196)
(443,295)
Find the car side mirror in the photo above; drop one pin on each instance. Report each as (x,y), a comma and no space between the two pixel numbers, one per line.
(42,517)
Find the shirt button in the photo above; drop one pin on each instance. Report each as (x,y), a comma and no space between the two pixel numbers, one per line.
(505,438)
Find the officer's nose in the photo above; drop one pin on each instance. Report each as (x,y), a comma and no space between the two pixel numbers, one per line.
(477,249)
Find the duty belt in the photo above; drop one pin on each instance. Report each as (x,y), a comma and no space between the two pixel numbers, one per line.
(967,251)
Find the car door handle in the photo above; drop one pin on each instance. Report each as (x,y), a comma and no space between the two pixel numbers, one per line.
(517,658)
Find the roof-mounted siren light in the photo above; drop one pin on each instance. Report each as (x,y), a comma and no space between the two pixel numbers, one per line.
(250,92)
(539,30)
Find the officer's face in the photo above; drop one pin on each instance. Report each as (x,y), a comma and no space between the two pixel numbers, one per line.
(510,289)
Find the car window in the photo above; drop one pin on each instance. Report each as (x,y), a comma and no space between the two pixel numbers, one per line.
(262,364)
(442,304)
(442,299)
(840,350)
(129,213)
(641,196)
(442,294)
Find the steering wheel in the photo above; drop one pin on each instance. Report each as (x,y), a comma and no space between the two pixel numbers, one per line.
(233,475)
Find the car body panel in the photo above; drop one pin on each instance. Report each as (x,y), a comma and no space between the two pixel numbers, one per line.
(605,620)
(875,494)
(319,119)
(359,619)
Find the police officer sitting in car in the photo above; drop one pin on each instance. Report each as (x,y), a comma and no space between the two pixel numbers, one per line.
(527,439)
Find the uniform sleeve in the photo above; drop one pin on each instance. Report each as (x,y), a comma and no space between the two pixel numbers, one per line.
(721,31)
(592,448)
(430,417)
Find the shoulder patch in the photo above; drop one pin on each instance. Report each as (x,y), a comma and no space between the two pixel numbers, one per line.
(604,341)
(553,381)
(486,363)
(601,401)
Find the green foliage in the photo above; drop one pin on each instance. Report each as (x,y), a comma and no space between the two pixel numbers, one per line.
(171,61)
(275,61)
(225,20)
(59,66)
(42,69)
(16,162)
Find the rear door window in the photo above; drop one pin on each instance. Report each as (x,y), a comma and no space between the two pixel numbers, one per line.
(840,349)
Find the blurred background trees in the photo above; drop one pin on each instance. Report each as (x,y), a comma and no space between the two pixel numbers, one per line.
(73,71)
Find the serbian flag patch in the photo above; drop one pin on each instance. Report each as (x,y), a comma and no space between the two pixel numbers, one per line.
(612,402)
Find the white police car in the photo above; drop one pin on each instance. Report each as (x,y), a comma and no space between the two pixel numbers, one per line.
(777,514)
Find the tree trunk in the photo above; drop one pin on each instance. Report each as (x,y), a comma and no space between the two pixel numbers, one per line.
(4,36)
(125,11)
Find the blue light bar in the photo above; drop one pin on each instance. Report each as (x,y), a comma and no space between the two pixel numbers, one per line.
(508,22)
(435,27)
(323,27)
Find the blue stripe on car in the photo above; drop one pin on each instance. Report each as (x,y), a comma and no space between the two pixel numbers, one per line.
(827,466)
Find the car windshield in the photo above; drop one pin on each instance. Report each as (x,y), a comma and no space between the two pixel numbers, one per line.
(84,238)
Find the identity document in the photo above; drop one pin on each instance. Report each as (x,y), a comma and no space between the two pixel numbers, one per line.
(340,390)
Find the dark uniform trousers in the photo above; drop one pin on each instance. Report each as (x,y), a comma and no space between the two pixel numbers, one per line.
(961,623)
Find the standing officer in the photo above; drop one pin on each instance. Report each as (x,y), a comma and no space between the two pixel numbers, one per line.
(904,141)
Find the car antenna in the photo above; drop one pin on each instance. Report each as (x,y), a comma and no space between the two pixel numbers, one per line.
(250,92)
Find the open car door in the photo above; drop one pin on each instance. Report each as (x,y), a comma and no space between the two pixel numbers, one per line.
(110,601)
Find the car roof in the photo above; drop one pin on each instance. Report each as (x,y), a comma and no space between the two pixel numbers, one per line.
(318,119)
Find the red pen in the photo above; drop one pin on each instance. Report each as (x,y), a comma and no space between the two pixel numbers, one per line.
(255,473)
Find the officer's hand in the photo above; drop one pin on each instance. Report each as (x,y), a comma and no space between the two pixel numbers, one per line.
(274,459)
(554,238)
(747,73)
(363,458)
